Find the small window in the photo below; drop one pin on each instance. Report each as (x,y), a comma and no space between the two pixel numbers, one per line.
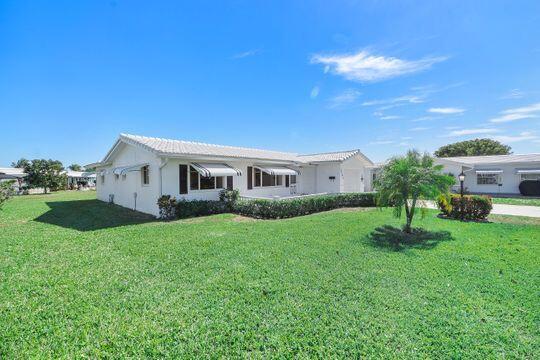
(257,175)
(102,178)
(293,179)
(193,179)
(487,179)
(279,180)
(207,183)
(219,182)
(535,177)
(145,172)
(268,180)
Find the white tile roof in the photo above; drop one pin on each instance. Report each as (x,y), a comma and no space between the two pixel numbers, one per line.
(331,156)
(12,171)
(179,147)
(495,159)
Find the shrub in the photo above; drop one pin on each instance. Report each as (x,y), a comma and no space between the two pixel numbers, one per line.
(475,207)
(261,209)
(167,207)
(229,197)
(194,208)
(280,209)
(6,191)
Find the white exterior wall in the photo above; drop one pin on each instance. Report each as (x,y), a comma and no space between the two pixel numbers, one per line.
(322,178)
(307,181)
(353,174)
(509,180)
(124,188)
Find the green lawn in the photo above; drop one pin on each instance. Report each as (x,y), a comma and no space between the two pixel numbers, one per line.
(517,201)
(80,278)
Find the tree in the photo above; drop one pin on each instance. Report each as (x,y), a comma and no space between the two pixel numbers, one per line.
(405,180)
(46,174)
(22,163)
(75,167)
(6,191)
(476,147)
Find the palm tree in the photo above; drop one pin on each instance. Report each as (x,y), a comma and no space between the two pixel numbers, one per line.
(405,180)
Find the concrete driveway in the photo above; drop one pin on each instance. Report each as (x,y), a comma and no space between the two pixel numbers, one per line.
(504,209)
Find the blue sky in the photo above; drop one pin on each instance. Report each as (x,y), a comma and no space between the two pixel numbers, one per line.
(300,76)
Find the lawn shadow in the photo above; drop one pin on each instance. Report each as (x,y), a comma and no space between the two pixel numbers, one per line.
(88,215)
(393,238)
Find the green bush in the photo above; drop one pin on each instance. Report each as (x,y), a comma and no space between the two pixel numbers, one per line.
(167,207)
(280,209)
(475,207)
(261,209)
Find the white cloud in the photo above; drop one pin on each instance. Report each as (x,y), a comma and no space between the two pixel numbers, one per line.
(419,128)
(366,67)
(314,92)
(406,137)
(390,117)
(526,109)
(513,94)
(347,97)
(424,118)
(381,142)
(411,99)
(526,112)
(446,110)
(463,132)
(524,136)
(246,54)
(512,117)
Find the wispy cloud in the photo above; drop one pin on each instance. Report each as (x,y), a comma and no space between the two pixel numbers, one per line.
(524,136)
(526,112)
(347,97)
(424,118)
(366,67)
(464,132)
(419,128)
(382,142)
(446,110)
(314,92)
(513,94)
(245,54)
(390,117)
(412,99)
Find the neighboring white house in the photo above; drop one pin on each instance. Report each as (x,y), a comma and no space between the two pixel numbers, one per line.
(137,170)
(497,174)
(17,174)
(84,178)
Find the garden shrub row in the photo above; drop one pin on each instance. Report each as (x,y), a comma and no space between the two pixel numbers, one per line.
(171,208)
(474,207)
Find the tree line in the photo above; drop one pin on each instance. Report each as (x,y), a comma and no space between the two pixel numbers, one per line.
(47,174)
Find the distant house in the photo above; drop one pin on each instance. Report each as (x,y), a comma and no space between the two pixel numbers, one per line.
(17,174)
(137,170)
(80,178)
(497,174)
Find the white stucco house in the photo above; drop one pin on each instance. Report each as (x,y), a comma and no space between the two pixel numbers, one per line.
(496,174)
(76,178)
(137,170)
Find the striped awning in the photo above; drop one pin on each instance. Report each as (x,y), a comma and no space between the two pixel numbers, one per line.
(277,170)
(527,171)
(220,169)
(123,170)
(489,171)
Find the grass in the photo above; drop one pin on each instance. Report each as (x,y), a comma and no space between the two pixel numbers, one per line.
(517,201)
(80,278)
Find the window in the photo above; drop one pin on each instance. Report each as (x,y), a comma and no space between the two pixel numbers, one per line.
(257,175)
(268,180)
(487,179)
(102,178)
(198,182)
(293,179)
(183,177)
(145,172)
(279,180)
(260,178)
(530,177)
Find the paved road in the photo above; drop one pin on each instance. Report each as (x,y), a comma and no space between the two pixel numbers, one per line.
(504,209)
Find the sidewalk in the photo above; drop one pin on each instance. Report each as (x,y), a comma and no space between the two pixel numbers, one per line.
(504,209)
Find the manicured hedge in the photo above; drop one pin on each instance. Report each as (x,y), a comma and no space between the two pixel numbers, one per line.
(263,209)
(475,207)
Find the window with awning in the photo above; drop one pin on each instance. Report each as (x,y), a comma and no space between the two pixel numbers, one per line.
(123,170)
(277,170)
(214,170)
(488,176)
(528,174)
(266,176)
(211,176)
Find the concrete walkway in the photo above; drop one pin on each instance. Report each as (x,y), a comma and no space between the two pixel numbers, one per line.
(504,209)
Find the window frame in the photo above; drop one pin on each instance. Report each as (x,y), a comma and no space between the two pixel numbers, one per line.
(485,177)
(199,177)
(145,175)
(259,176)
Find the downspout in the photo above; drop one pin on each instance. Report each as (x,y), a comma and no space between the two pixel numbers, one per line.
(161,166)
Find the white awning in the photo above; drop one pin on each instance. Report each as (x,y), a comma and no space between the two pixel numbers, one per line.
(277,170)
(208,170)
(489,171)
(123,170)
(102,172)
(527,171)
